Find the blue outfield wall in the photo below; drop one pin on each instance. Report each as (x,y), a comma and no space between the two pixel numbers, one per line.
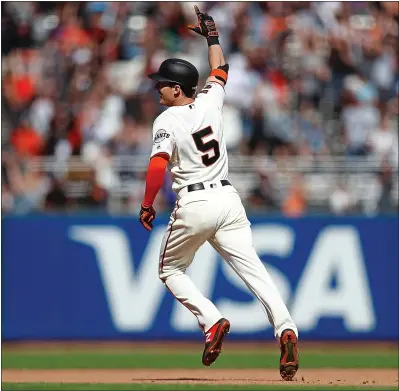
(95,277)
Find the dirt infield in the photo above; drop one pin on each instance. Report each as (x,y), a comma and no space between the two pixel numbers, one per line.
(386,377)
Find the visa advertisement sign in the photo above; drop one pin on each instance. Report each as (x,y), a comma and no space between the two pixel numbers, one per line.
(96,278)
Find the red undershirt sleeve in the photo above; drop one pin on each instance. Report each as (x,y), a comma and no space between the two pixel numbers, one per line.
(155,178)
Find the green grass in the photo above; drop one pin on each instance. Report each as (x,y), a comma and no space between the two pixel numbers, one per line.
(117,387)
(234,359)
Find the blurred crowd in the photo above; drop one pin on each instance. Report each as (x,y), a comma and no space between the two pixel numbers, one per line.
(307,80)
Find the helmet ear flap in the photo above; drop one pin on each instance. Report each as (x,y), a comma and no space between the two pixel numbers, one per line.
(189,91)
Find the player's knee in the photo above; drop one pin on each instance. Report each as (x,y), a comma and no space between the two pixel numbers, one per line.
(166,273)
(162,276)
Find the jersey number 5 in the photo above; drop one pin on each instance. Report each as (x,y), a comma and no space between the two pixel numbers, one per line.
(205,147)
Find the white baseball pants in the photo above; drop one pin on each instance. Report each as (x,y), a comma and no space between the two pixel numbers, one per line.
(216,215)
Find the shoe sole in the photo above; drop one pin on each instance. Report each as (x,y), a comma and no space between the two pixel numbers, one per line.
(289,364)
(215,348)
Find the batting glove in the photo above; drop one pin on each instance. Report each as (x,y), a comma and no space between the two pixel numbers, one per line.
(206,27)
(147,215)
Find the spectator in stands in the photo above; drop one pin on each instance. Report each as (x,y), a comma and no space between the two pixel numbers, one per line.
(25,140)
(96,197)
(309,127)
(56,199)
(360,116)
(342,201)
(295,202)
(63,139)
(385,178)
(314,71)
(43,106)
(27,185)
(383,140)
(263,195)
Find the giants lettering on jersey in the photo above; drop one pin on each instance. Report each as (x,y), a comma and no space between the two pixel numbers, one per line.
(161,135)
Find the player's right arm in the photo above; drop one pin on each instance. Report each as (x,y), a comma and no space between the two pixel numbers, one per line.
(162,149)
(207,28)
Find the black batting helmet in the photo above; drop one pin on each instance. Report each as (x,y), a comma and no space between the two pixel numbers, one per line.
(175,70)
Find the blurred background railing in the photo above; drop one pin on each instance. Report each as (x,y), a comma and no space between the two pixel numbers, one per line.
(293,186)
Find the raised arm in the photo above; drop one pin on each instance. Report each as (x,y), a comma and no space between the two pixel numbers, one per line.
(215,55)
(207,28)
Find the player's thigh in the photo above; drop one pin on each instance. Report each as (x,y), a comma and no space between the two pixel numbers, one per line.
(196,209)
(235,247)
(233,240)
(234,244)
(181,240)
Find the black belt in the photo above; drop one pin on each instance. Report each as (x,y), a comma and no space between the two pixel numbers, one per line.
(200,185)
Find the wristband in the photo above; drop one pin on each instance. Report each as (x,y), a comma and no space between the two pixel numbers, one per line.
(212,40)
(219,74)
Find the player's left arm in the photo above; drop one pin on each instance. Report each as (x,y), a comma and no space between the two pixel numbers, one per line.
(207,28)
(219,67)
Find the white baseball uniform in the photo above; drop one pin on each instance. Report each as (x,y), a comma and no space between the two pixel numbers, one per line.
(192,135)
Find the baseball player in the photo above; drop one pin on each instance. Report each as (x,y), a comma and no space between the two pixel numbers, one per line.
(188,139)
